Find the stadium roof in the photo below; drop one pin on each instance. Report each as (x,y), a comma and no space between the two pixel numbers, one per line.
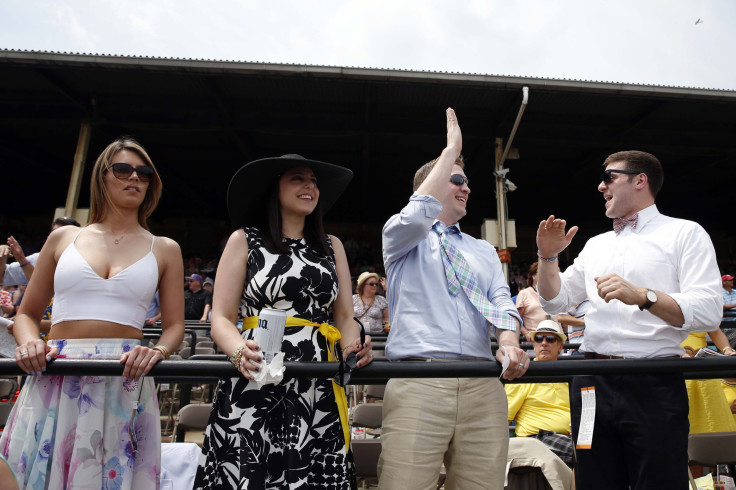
(201,120)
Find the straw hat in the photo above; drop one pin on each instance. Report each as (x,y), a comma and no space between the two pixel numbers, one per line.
(364,277)
(249,187)
(549,326)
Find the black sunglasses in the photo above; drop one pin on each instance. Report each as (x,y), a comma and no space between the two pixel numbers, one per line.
(346,367)
(551,339)
(125,170)
(458,179)
(371,284)
(607,178)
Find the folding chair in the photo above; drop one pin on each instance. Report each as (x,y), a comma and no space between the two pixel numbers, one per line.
(368,415)
(192,417)
(711,449)
(7,388)
(375,391)
(205,343)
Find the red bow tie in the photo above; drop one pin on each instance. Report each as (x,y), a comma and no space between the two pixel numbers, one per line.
(620,223)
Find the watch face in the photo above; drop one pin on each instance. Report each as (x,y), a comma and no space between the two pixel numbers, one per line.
(651,296)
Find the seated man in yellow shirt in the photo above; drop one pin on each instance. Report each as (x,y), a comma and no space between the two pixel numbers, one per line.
(542,410)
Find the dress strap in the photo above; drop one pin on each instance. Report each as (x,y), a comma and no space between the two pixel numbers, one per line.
(153,240)
(75,236)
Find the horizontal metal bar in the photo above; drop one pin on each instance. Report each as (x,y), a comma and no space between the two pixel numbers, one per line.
(381,370)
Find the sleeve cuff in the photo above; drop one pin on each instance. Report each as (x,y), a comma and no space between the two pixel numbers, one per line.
(429,204)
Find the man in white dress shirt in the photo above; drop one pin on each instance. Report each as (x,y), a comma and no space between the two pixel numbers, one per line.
(650,282)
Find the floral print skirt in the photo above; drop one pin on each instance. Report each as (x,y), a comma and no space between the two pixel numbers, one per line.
(74,431)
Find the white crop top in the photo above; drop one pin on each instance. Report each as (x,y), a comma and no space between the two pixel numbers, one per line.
(81,294)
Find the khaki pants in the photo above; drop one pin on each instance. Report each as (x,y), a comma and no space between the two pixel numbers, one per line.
(462,422)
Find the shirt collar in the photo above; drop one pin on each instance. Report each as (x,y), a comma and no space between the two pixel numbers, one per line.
(456,225)
(645,216)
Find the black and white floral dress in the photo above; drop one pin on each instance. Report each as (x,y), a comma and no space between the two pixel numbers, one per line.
(286,436)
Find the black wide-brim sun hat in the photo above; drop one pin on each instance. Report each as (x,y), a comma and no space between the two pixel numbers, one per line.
(249,187)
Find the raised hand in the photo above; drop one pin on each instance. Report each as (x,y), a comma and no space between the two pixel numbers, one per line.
(454,135)
(16,249)
(551,236)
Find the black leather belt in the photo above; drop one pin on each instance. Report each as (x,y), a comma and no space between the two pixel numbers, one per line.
(595,355)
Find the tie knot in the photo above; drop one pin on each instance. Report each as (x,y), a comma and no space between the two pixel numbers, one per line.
(440,228)
(620,223)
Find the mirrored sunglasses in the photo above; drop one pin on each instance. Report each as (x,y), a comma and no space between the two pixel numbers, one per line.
(458,179)
(125,170)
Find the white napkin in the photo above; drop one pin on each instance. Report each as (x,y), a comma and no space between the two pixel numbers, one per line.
(506,360)
(271,373)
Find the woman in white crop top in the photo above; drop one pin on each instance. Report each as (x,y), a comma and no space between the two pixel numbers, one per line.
(93,431)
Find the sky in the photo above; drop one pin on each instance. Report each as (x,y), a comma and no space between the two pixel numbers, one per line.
(654,42)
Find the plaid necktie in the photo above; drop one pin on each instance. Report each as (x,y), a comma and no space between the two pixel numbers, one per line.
(459,276)
(620,223)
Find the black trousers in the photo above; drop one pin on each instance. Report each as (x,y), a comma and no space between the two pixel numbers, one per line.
(640,433)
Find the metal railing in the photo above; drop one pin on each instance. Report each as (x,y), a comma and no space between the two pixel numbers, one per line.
(203,371)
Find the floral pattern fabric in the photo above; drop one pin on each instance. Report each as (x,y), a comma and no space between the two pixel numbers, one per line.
(73,431)
(373,318)
(286,436)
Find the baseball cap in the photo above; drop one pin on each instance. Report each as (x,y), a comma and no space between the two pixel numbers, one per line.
(196,277)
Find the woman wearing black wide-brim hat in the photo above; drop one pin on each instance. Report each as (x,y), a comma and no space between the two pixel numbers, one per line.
(293,434)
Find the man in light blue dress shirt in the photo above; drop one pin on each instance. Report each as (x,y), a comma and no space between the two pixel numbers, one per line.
(459,421)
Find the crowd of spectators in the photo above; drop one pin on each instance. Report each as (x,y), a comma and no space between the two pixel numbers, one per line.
(366,273)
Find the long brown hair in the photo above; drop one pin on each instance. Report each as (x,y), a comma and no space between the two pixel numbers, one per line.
(270,225)
(99,200)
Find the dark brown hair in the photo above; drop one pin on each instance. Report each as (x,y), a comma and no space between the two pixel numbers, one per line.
(643,163)
(270,226)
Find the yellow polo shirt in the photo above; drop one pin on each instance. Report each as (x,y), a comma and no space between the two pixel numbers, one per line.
(537,406)
(730,391)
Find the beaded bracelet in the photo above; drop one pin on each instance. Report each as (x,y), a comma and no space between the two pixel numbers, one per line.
(163,350)
(236,358)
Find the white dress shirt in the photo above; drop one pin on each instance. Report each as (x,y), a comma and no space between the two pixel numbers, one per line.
(426,320)
(665,254)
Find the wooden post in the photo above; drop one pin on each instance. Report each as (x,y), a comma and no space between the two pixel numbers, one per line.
(75,182)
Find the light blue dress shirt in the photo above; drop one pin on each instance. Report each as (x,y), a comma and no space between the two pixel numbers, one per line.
(729,299)
(426,320)
(14,275)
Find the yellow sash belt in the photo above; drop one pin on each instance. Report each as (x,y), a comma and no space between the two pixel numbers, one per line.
(332,334)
